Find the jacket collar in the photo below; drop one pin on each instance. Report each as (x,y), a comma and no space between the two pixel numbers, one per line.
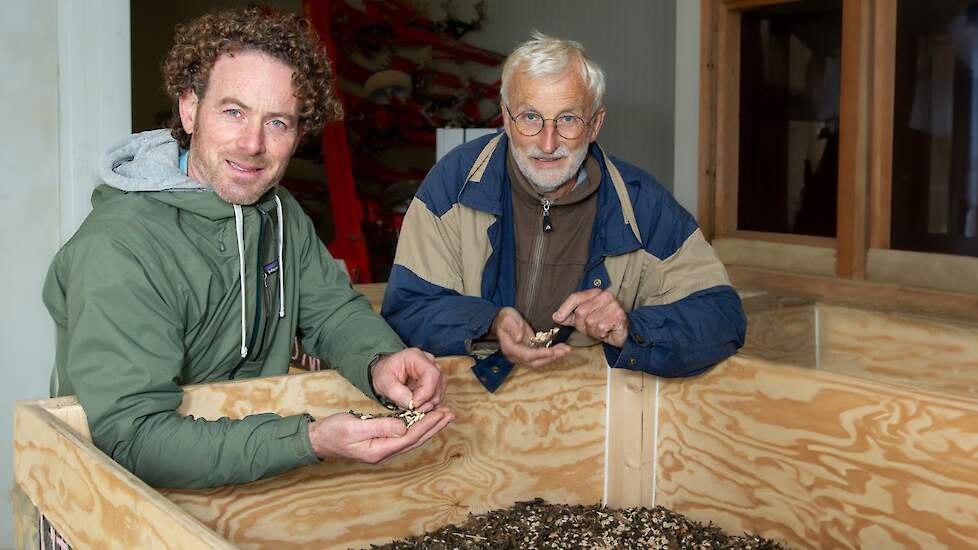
(611,236)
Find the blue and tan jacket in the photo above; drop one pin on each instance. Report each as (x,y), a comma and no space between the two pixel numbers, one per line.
(455,267)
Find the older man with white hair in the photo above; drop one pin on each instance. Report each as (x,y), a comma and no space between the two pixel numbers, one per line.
(536,229)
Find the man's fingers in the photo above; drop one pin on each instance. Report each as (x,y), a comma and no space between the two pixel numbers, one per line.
(572,302)
(426,385)
(556,352)
(382,428)
(430,432)
(523,354)
(381,449)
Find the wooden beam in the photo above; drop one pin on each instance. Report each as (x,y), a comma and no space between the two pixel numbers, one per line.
(763,254)
(727,121)
(631,445)
(785,238)
(706,197)
(855,105)
(884,75)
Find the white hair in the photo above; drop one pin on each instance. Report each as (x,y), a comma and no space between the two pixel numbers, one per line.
(544,55)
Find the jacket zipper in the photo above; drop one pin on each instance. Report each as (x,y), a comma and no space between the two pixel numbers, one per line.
(536,259)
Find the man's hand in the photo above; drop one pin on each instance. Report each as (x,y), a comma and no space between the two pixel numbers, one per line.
(596,313)
(514,334)
(410,377)
(375,440)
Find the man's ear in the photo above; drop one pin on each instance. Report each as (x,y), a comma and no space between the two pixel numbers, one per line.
(596,124)
(506,120)
(188,110)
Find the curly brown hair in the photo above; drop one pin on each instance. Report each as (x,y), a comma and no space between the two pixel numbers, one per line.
(287,37)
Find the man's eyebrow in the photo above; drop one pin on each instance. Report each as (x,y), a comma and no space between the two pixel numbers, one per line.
(239,103)
(563,111)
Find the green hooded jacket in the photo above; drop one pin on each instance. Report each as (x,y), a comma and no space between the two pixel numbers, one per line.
(160,288)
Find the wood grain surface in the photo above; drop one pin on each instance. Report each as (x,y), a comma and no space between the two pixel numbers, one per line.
(93,501)
(896,348)
(542,434)
(819,459)
(901,349)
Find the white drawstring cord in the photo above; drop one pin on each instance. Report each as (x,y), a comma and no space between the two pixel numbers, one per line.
(239,227)
(281,266)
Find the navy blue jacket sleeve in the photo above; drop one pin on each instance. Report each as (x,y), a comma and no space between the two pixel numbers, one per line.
(683,338)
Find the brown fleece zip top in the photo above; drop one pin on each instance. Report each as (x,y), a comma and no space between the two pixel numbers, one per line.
(550,264)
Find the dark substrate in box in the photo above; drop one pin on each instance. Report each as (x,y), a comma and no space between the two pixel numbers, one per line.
(539,525)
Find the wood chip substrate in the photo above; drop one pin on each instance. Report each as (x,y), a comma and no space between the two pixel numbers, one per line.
(538,525)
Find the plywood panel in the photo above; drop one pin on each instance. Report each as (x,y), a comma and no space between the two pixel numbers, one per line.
(631,444)
(374,292)
(785,335)
(900,349)
(881,296)
(542,434)
(93,501)
(818,459)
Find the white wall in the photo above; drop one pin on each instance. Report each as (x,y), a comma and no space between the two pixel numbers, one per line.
(65,97)
(634,41)
(29,225)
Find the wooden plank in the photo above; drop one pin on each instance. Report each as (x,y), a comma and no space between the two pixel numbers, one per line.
(741,5)
(864,294)
(855,104)
(945,272)
(92,500)
(884,82)
(819,459)
(728,121)
(631,428)
(787,238)
(374,293)
(542,434)
(796,258)
(706,196)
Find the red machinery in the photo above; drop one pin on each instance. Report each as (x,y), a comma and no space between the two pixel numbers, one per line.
(392,103)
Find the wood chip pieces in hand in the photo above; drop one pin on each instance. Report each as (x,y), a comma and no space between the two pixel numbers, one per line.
(409,416)
(544,338)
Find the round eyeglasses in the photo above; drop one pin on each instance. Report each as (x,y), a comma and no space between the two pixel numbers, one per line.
(568,125)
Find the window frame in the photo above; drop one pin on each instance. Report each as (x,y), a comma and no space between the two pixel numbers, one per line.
(862,243)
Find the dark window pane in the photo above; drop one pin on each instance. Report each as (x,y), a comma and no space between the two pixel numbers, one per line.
(935,128)
(789,118)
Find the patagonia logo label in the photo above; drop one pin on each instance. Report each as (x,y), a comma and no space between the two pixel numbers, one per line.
(270,268)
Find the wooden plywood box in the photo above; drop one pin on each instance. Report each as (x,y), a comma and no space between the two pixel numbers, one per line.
(835,427)
(543,436)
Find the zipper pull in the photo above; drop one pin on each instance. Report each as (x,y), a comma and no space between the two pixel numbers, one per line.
(547,226)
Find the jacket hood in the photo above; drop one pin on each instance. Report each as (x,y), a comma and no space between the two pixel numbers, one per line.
(148,161)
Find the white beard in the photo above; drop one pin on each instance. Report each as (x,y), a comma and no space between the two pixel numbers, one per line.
(546,180)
